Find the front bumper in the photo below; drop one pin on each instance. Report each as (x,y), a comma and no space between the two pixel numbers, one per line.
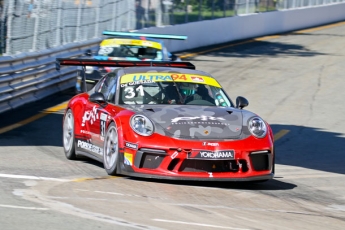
(253,160)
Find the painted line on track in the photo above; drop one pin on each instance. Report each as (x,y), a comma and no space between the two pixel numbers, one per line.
(93,178)
(280,134)
(32,177)
(199,224)
(22,207)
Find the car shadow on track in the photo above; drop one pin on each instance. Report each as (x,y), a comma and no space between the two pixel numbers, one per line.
(250,48)
(268,185)
(311,148)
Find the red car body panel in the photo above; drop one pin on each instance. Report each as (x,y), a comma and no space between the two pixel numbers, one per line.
(172,163)
(222,146)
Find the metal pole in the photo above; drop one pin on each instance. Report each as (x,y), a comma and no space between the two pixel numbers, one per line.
(212,9)
(147,19)
(186,15)
(77,34)
(58,24)
(114,17)
(98,9)
(37,22)
(128,17)
(200,3)
(224,8)
(9,27)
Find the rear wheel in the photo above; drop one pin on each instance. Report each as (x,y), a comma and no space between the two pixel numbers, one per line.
(68,135)
(111,150)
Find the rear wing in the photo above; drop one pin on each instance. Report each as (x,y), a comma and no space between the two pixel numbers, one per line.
(118,63)
(148,35)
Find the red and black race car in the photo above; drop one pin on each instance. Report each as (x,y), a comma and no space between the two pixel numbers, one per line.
(166,120)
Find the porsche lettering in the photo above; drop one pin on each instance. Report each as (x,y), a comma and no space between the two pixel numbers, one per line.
(210,144)
(90,147)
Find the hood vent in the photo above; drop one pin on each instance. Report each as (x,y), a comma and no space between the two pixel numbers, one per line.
(151,110)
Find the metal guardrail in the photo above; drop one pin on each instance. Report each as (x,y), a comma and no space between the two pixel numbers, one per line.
(29,77)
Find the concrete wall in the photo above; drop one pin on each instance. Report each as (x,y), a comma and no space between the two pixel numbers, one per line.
(211,32)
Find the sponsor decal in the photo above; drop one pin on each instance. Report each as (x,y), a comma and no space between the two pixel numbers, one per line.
(210,144)
(103,121)
(131,145)
(201,118)
(174,155)
(128,159)
(93,135)
(90,147)
(215,155)
(136,83)
(117,42)
(90,115)
(197,79)
(154,77)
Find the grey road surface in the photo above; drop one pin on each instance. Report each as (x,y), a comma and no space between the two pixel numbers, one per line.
(294,81)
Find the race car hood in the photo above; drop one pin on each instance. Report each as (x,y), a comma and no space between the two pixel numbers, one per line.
(194,122)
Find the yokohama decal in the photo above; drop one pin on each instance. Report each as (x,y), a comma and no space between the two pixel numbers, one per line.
(215,155)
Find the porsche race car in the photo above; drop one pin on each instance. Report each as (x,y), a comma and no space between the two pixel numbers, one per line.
(166,120)
(130,46)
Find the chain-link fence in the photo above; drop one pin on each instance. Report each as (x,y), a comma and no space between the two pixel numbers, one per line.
(34,25)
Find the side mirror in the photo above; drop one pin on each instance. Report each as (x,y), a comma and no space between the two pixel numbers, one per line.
(241,102)
(98,98)
(88,52)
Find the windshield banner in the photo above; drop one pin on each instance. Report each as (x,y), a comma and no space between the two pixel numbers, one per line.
(169,77)
(132,42)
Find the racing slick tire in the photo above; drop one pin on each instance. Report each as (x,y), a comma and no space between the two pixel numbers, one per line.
(111,150)
(68,138)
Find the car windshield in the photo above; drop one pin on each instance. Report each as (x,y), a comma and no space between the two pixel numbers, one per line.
(168,88)
(127,51)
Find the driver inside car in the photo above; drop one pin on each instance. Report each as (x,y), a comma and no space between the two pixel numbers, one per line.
(173,94)
(201,93)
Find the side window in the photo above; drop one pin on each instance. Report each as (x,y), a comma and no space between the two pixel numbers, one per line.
(111,95)
(108,87)
(99,85)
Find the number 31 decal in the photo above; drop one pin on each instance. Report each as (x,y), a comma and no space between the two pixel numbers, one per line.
(130,91)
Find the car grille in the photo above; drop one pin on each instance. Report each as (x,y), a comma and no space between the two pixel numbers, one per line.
(190,165)
(152,159)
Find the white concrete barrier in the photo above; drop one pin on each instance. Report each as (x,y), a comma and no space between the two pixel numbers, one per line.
(212,32)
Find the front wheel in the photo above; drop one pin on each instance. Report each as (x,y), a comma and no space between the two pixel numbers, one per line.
(68,135)
(111,150)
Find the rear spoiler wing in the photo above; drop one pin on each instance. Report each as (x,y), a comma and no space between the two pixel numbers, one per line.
(118,63)
(148,35)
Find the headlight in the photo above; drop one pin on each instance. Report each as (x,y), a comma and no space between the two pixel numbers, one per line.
(257,127)
(89,69)
(141,125)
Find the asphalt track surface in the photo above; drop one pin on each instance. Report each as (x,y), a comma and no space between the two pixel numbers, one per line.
(294,81)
